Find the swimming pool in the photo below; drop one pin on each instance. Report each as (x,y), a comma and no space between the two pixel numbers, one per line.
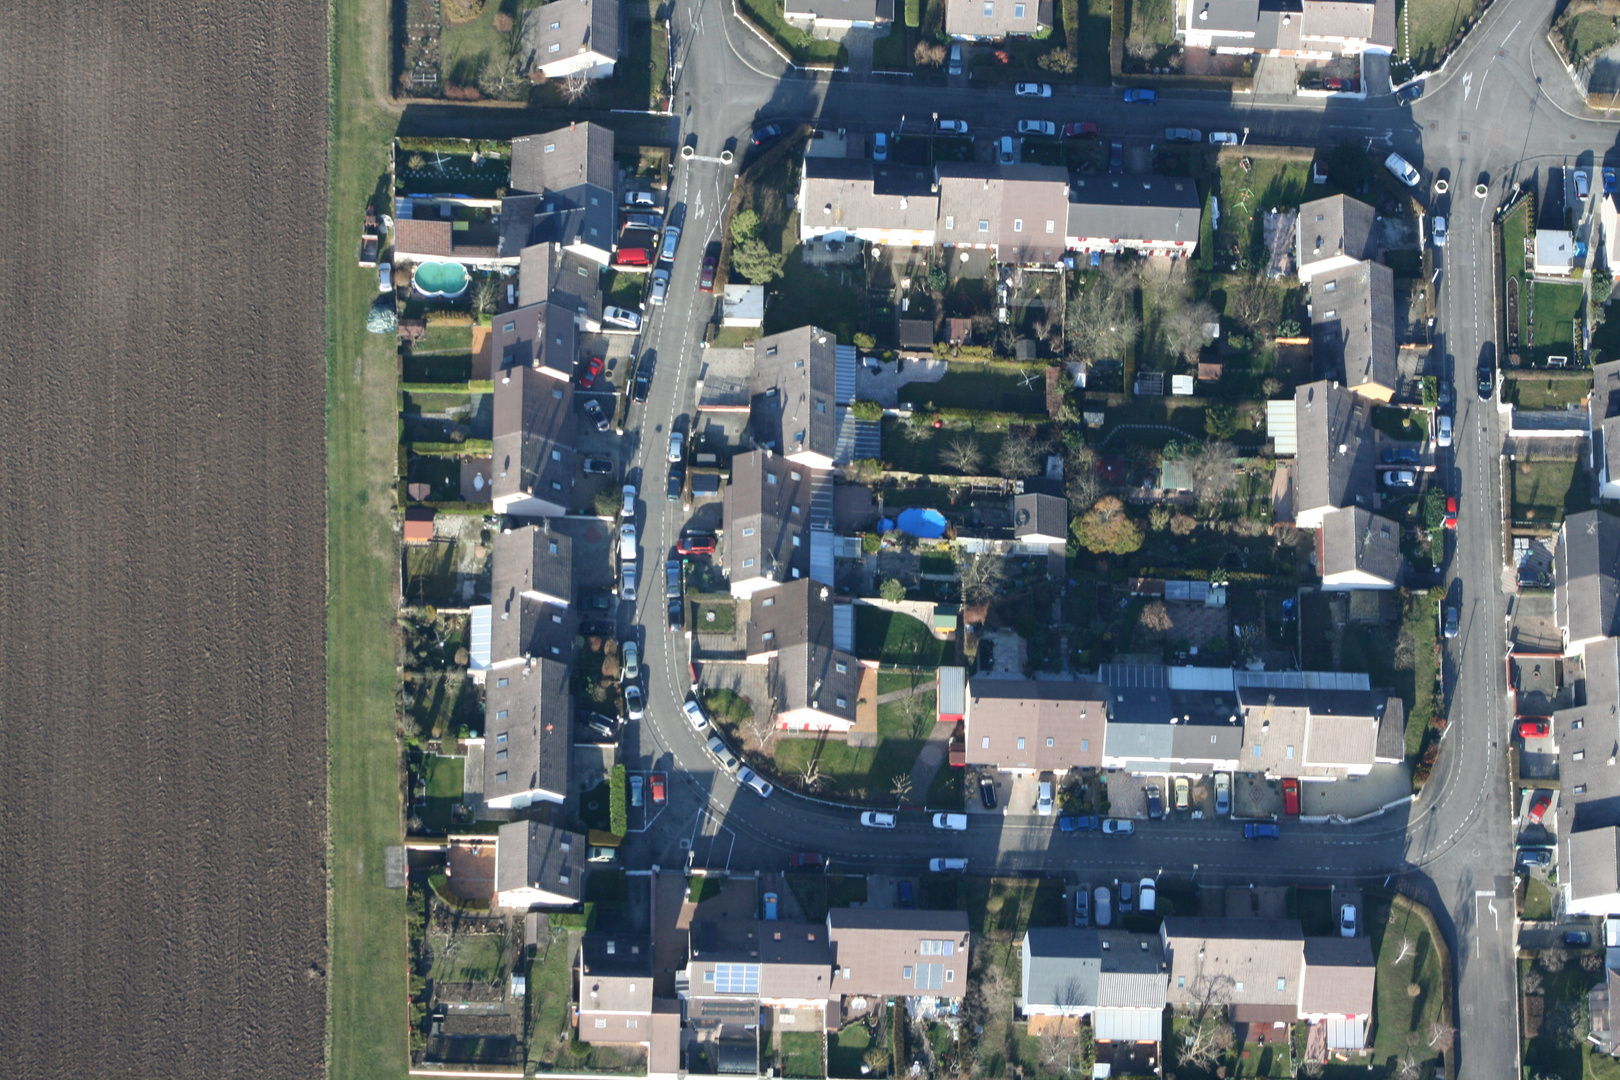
(443,279)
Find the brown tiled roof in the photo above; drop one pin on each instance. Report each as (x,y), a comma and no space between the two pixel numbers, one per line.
(880,952)
(1070,714)
(1240,962)
(1339,976)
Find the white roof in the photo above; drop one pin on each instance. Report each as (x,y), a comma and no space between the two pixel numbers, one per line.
(1128,1025)
(481,620)
(1282,425)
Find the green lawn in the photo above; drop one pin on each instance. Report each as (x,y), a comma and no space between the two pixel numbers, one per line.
(1584,35)
(801,1054)
(1093,24)
(622,288)
(1006,907)
(846,1050)
(444,777)
(896,639)
(1395,1013)
(1151,20)
(366,921)
(866,773)
(1410,425)
(924,453)
(1416,685)
(476,958)
(968,385)
(892,51)
(448,367)
(890,681)
(548,1000)
(1245,196)
(806,295)
(442,338)
(1558,392)
(1423,29)
(1564,993)
(1557,304)
(801,47)
(465,48)
(1545,491)
(430,576)
(1537,901)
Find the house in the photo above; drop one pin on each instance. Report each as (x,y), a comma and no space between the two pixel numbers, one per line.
(994,20)
(1603,423)
(1019,212)
(1155,726)
(1586,734)
(800,379)
(1353,327)
(572,37)
(1348,27)
(1358,549)
(562,192)
(419,524)
(1306,29)
(1153,216)
(538,864)
(438,230)
(767,515)
(1035,725)
(541,336)
(1586,589)
(1589,870)
(548,273)
(858,199)
(1336,460)
(1555,253)
(1309,732)
(818,686)
(615,988)
(898,953)
(755,963)
(841,14)
(1333,234)
(743,305)
(1040,519)
(1116,978)
(535,431)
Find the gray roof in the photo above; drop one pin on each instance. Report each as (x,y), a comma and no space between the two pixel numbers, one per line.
(548,273)
(1040,515)
(537,854)
(1298,727)
(1586,562)
(574,26)
(1353,325)
(795,621)
(1391,744)
(541,336)
(869,11)
(1588,739)
(1592,862)
(794,392)
(1336,462)
(1356,539)
(1339,976)
(562,189)
(967,18)
(766,517)
(1605,416)
(531,571)
(1350,20)
(1160,209)
(535,430)
(563,160)
(1070,968)
(1206,742)
(528,717)
(1331,227)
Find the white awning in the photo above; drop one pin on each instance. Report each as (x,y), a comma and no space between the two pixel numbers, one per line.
(1128,1025)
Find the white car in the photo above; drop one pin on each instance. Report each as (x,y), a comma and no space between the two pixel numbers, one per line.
(953,127)
(628,509)
(1006,152)
(1440,232)
(631,670)
(948,866)
(1442,431)
(1118,827)
(877,819)
(1402,170)
(1223,793)
(1032,89)
(953,822)
(632,702)
(660,287)
(694,714)
(1223,138)
(627,581)
(627,542)
(1101,905)
(1147,894)
(719,749)
(1043,799)
(1347,920)
(755,781)
(676,443)
(385,277)
(1036,127)
(620,317)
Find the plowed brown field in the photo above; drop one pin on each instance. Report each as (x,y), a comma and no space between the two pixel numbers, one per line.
(162,539)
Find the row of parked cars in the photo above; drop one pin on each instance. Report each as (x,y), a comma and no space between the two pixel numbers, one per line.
(1144,897)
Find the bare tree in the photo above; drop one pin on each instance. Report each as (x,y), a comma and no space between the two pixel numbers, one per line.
(1080,479)
(1020,456)
(1408,1068)
(1440,1035)
(1214,473)
(1186,328)
(1255,305)
(1405,950)
(929,54)
(1159,518)
(762,725)
(810,774)
(575,86)
(1101,321)
(1208,1042)
(963,455)
(901,786)
(1156,618)
(982,576)
(1553,960)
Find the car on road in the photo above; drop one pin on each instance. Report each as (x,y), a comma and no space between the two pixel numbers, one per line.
(1036,127)
(1399,455)
(1183,793)
(1080,129)
(1033,89)
(765,134)
(1006,151)
(1579,939)
(1583,184)
(595,466)
(1442,430)
(672,239)
(903,895)
(1078,823)
(1347,920)
(627,541)
(1290,794)
(1155,802)
(1410,93)
(633,707)
(1102,903)
(643,384)
(1611,182)
(1402,170)
(677,442)
(630,665)
(597,417)
(1439,231)
(1223,138)
(1533,729)
(951,822)
(1450,628)
(672,579)
(771,900)
(637,788)
(640,198)
(627,508)
(1116,157)
(696,544)
(1539,806)
(1141,95)
(877,819)
(623,318)
(953,127)
(676,482)
(948,866)
(1118,827)
(719,749)
(756,781)
(711,264)
(880,146)
(677,614)
(1400,478)
(1445,394)
(804,860)
(1043,798)
(1125,904)
(589,372)
(1082,906)
(1537,856)
(987,792)
(694,714)
(1223,793)
(1485,382)
(660,287)
(1183,135)
(1261,830)
(627,581)
(954,66)
(1450,520)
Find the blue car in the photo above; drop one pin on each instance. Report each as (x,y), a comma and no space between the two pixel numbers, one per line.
(1611,183)
(904,898)
(1261,831)
(1143,95)
(1086,823)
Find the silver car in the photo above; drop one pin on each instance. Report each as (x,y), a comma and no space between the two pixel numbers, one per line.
(660,287)
(631,672)
(622,318)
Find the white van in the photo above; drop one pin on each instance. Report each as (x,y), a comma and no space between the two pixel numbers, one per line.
(1402,170)
(955,67)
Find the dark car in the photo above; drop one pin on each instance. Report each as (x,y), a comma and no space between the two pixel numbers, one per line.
(766,134)
(804,860)
(597,628)
(1487,382)
(677,479)
(1578,938)
(1081,823)
(1399,455)
(903,896)
(597,466)
(987,792)
(1116,157)
(1410,93)
(1080,130)
(1261,831)
(1155,802)
(711,263)
(594,411)
(1534,857)
(677,614)
(641,386)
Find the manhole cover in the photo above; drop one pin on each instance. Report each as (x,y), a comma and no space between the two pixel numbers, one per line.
(1462,136)
(686,845)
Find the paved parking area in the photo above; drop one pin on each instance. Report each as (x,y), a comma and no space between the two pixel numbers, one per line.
(1353,797)
(1125,795)
(1019,794)
(1003,786)
(1253,796)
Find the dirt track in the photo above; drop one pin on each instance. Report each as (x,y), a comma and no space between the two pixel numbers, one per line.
(162,540)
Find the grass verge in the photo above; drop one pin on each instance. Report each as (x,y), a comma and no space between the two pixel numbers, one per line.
(896,639)
(1545,491)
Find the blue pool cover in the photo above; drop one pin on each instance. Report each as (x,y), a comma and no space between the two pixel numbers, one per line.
(923,524)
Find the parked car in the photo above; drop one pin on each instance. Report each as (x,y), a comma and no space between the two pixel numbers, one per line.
(951,822)
(1290,794)
(719,749)
(1399,455)
(1410,93)
(677,614)
(640,198)
(953,127)
(1439,231)
(1450,628)
(632,256)
(630,664)
(1006,151)
(1486,382)
(660,287)
(1078,823)
(641,221)
(948,866)
(1223,138)
(1538,856)
(1118,827)
(1033,89)
(1116,157)
(756,781)
(1036,127)
(633,707)
(627,541)
(1442,430)
(1125,904)
(1400,478)
(656,783)
(601,725)
(711,264)
(627,508)
(1539,806)
(627,581)
(1147,895)
(987,792)
(1155,802)
(1261,830)
(1043,798)
(1183,793)
(623,318)
(672,239)
(1402,170)
(643,384)
(1083,129)
(1183,135)
(695,714)
(1579,939)
(877,819)
(637,787)
(595,466)
(880,146)
(1142,96)
(598,854)
(1082,906)
(1446,395)
(1347,920)
(385,277)
(672,579)
(1583,185)
(771,901)
(1223,793)
(903,895)
(954,65)
(675,484)
(1450,520)
(696,544)
(594,412)
(1102,903)
(766,134)
(804,860)
(1611,183)
(1533,729)
(677,443)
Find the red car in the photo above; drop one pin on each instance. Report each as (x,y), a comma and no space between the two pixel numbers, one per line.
(711,263)
(1539,807)
(1291,797)
(1451,512)
(696,544)
(1533,729)
(1086,130)
(657,786)
(593,368)
(804,861)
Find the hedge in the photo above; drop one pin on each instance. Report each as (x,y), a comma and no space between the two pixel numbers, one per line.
(1206,236)
(476,386)
(428,145)
(453,449)
(618,813)
(866,410)
(462,509)
(574,920)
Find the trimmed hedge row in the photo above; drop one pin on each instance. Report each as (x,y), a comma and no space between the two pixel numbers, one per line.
(451,449)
